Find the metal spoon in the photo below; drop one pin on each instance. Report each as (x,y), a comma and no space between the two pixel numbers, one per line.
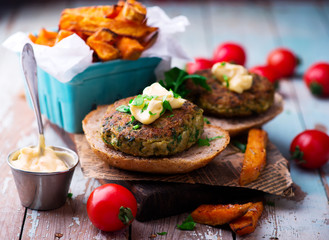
(30,72)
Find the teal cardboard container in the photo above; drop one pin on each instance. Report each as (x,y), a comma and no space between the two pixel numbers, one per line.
(66,104)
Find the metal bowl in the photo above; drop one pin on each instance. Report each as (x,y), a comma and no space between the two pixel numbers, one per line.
(44,190)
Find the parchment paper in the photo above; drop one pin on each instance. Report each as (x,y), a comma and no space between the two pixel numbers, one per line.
(224,170)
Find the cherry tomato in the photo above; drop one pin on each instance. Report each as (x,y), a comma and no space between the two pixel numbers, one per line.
(283,61)
(317,79)
(310,149)
(230,52)
(199,64)
(265,71)
(111,207)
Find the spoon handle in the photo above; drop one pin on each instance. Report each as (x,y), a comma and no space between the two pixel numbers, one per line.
(30,72)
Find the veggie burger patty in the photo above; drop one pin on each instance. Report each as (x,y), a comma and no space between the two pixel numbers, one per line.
(222,102)
(172,133)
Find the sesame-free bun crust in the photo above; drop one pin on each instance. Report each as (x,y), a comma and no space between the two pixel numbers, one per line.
(238,125)
(189,160)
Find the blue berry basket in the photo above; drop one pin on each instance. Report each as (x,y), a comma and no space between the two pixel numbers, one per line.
(66,104)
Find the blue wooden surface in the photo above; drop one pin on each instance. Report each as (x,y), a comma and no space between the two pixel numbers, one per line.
(259,26)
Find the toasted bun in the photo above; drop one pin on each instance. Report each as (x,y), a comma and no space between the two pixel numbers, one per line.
(239,125)
(189,160)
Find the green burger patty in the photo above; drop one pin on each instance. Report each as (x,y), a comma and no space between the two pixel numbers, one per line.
(172,133)
(222,102)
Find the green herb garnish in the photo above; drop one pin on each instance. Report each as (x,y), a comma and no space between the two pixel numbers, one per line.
(205,142)
(225,77)
(187,224)
(138,101)
(132,118)
(137,126)
(147,97)
(162,233)
(223,63)
(69,195)
(206,120)
(145,107)
(166,106)
(170,116)
(175,79)
(123,108)
(151,113)
(240,145)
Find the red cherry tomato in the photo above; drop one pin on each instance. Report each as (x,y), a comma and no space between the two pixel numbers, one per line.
(310,149)
(265,71)
(199,64)
(283,61)
(111,207)
(317,79)
(230,52)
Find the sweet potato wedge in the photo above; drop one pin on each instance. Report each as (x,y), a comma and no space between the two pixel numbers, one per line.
(132,11)
(248,222)
(62,34)
(254,157)
(129,29)
(104,35)
(104,50)
(69,22)
(94,11)
(219,214)
(46,38)
(130,48)
(32,37)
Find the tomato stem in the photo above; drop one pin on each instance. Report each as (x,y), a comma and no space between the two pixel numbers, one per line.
(298,155)
(316,88)
(125,215)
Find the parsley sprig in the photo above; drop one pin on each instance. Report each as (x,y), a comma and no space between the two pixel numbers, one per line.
(227,82)
(205,142)
(187,224)
(175,80)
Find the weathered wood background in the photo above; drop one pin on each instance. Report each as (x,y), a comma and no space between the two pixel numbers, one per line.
(260,26)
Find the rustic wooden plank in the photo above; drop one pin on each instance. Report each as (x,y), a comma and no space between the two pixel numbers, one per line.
(242,22)
(146,230)
(11,136)
(12,212)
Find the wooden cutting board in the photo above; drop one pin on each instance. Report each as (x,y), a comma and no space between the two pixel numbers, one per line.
(160,199)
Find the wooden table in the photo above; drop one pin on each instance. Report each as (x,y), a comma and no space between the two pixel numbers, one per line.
(260,26)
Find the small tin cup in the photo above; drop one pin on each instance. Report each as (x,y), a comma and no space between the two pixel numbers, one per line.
(44,190)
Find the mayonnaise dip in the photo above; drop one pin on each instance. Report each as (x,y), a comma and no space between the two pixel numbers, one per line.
(235,77)
(152,105)
(40,158)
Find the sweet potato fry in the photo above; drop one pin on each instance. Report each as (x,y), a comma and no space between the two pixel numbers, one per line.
(69,22)
(104,35)
(254,157)
(104,50)
(33,38)
(219,214)
(248,222)
(62,34)
(130,48)
(46,38)
(132,11)
(94,11)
